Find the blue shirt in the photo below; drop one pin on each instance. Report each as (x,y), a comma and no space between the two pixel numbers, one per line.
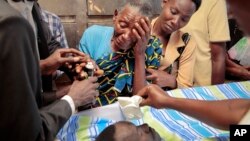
(96,41)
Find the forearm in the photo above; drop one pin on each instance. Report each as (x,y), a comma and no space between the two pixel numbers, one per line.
(236,70)
(239,72)
(218,62)
(48,97)
(139,80)
(219,114)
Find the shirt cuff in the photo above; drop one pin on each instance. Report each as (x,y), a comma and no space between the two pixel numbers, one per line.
(71,103)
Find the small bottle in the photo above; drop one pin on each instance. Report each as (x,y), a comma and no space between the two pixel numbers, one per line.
(90,68)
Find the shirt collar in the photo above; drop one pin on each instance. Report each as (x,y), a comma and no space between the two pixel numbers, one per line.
(23,6)
(175,38)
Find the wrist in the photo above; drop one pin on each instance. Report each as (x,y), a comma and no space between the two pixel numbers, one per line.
(43,66)
(71,103)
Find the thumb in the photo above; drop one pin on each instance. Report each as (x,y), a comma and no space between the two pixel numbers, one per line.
(143,92)
(143,102)
(150,70)
(69,59)
(144,95)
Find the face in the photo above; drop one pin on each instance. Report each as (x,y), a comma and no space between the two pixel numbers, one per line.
(123,25)
(135,133)
(240,11)
(175,14)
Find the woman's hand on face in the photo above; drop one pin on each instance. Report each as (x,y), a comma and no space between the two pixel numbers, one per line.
(142,33)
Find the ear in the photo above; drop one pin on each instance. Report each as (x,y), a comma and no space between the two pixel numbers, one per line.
(115,15)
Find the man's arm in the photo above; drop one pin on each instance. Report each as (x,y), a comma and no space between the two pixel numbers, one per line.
(218,62)
(219,113)
(236,70)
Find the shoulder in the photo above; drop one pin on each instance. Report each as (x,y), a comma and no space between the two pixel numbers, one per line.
(46,15)
(97,32)
(188,40)
(7,11)
(97,29)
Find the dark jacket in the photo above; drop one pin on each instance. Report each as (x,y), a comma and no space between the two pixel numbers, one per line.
(22,116)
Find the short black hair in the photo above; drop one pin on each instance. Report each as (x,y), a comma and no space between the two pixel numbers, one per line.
(107,134)
(22,0)
(197,3)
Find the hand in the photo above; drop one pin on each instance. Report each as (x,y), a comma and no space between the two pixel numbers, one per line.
(81,68)
(247,67)
(153,96)
(142,33)
(58,58)
(62,89)
(84,92)
(161,78)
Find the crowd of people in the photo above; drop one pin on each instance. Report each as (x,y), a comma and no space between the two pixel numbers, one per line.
(184,46)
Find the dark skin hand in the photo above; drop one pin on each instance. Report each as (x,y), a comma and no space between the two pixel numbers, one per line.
(161,78)
(59,58)
(227,111)
(142,33)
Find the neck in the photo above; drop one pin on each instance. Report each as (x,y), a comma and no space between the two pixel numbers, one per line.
(157,31)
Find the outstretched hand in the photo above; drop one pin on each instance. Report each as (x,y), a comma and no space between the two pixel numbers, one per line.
(59,58)
(153,96)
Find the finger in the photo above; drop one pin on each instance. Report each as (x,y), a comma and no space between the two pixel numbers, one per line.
(151,77)
(136,34)
(142,92)
(151,71)
(78,68)
(92,79)
(140,30)
(83,75)
(99,72)
(71,50)
(145,25)
(83,64)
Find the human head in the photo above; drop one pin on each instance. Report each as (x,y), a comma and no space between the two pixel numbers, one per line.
(240,11)
(125,19)
(22,0)
(176,14)
(126,131)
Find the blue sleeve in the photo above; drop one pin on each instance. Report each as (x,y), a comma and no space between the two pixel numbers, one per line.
(96,41)
(83,45)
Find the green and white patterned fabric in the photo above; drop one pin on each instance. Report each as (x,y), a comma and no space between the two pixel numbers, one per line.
(170,124)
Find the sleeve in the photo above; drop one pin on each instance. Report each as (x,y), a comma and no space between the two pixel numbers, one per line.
(53,118)
(44,29)
(19,85)
(186,65)
(218,22)
(83,45)
(63,39)
(21,89)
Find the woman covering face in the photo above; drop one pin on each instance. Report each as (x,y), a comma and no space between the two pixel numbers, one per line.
(124,23)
